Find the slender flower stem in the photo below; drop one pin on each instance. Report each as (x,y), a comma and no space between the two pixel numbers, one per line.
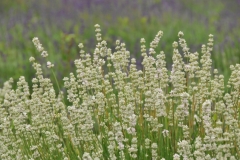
(55,78)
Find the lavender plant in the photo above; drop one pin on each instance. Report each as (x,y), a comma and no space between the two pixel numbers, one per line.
(119,112)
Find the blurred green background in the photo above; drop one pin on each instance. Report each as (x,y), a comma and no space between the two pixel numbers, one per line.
(61,24)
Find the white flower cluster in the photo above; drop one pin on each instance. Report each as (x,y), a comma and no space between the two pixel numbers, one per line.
(112,110)
(44,53)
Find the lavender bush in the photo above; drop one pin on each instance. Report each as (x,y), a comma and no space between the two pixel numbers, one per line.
(119,112)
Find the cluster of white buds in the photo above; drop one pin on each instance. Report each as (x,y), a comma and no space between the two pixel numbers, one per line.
(37,44)
(98,34)
(50,65)
(44,53)
(155,42)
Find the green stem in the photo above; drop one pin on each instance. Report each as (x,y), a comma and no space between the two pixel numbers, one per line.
(56,80)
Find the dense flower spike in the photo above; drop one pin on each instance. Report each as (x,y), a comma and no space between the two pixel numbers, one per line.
(112,110)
